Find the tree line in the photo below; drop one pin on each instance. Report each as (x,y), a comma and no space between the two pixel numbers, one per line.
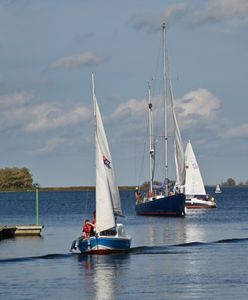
(229,182)
(15,178)
(21,178)
(232,182)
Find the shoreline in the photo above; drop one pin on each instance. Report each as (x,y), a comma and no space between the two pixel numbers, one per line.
(90,188)
(60,189)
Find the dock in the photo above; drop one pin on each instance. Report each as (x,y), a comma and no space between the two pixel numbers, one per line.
(10,231)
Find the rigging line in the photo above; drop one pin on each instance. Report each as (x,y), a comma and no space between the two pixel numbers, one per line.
(143,156)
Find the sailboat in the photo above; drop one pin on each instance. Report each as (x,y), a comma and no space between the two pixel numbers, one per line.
(217,189)
(196,196)
(159,200)
(109,235)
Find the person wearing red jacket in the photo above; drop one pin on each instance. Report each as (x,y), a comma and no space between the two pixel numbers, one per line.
(86,229)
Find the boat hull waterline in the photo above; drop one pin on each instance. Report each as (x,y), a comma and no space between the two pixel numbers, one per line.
(173,205)
(102,245)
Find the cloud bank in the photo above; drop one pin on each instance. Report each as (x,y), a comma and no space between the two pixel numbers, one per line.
(197,106)
(50,146)
(76,61)
(20,110)
(221,10)
(238,131)
(195,14)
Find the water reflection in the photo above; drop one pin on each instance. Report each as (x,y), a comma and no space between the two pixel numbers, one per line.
(101,272)
(161,231)
(155,231)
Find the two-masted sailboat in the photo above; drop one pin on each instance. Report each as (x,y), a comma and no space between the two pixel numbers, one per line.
(160,200)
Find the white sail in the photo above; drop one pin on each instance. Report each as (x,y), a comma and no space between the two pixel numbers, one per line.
(107,194)
(217,190)
(179,153)
(193,183)
(178,145)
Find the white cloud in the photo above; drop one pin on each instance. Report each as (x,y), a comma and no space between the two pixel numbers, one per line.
(197,106)
(18,111)
(239,131)
(75,61)
(50,146)
(15,99)
(211,11)
(221,10)
(194,108)
(130,110)
(47,117)
(171,14)
(130,119)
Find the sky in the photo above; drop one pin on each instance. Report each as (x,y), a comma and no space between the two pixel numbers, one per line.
(49,48)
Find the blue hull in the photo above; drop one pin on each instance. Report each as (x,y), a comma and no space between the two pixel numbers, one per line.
(102,245)
(167,206)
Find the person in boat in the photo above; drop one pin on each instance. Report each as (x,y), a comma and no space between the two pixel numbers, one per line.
(86,229)
(93,224)
(212,199)
(138,195)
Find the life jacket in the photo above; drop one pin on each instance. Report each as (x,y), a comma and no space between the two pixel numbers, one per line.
(87,228)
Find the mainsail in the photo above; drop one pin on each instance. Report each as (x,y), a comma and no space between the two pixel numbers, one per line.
(108,203)
(179,153)
(193,183)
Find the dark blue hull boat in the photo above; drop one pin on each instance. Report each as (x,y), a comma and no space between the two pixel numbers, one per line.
(173,205)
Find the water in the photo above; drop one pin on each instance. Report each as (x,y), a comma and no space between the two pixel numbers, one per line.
(201,256)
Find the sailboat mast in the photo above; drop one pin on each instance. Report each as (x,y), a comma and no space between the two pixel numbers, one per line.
(151,146)
(165,112)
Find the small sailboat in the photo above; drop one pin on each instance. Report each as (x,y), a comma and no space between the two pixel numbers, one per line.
(159,200)
(217,189)
(109,235)
(196,196)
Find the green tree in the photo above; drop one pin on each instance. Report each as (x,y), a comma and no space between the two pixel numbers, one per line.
(15,178)
(229,182)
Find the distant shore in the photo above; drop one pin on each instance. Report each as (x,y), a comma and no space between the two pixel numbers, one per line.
(60,189)
(86,188)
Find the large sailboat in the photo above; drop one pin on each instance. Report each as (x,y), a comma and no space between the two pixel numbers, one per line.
(196,196)
(159,200)
(109,235)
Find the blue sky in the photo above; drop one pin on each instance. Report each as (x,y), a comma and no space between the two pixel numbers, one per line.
(48,50)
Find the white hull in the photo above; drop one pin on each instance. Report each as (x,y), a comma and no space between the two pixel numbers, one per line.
(200,203)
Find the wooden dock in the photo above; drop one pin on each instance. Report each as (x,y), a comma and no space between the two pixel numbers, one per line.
(10,231)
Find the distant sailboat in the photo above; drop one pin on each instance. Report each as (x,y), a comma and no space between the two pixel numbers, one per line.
(217,189)
(196,196)
(109,235)
(158,201)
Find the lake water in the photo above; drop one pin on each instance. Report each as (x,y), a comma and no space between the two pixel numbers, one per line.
(201,256)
